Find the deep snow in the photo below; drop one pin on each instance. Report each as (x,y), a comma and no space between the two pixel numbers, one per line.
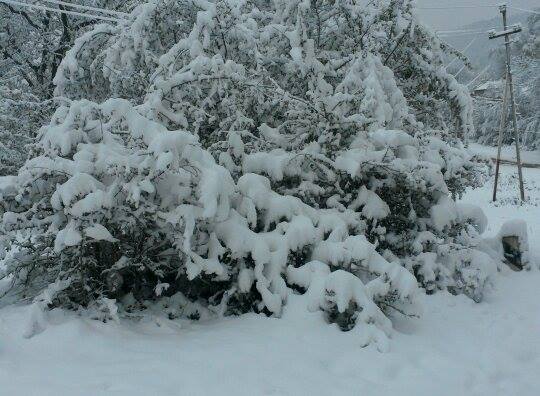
(457,347)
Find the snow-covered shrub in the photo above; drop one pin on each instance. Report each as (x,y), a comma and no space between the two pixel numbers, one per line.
(258,148)
(113,205)
(400,187)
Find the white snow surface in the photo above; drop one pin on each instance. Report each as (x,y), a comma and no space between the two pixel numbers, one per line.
(507,153)
(456,347)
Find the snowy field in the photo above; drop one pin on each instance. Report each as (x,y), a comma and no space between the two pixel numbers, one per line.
(456,348)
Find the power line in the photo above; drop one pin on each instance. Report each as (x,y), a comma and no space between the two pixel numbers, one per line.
(446,33)
(57,10)
(460,31)
(460,70)
(452,34)
(460,34)
(524,10)
(458,7)
(475,6)
(469,45)
(83,7)
(479,74)
(462,51)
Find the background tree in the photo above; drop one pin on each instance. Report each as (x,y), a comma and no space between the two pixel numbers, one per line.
(32,45)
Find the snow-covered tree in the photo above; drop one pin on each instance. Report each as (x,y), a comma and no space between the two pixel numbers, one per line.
(21,116)
(251,150)
(33,42)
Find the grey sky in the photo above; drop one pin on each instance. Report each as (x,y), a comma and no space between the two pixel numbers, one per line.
(451,19)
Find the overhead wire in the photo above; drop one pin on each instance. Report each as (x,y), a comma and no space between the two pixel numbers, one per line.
(460,70)
(58,10)
(458,7)
(524,10)
(469,45)
(455,7)
(465,32)
(88,8)
(458,33)
(462,32)
(462,51)
(479,74)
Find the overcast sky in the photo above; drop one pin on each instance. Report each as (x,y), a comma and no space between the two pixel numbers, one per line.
(451,19)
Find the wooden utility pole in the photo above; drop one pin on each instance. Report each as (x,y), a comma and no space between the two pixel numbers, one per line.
(509,88)
(502,125)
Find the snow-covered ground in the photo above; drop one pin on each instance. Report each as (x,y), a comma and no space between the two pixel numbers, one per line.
(456,348)
(507,153)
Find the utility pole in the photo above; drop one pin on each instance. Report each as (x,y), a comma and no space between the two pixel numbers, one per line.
(509,88)
(502,125)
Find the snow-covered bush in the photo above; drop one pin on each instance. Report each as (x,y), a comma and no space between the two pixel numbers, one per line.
(252,149)
(113,205)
